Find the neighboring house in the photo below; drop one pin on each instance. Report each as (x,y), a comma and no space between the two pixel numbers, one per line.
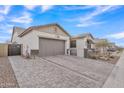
(103,45)
(112,47)
(81,43)
(44,40)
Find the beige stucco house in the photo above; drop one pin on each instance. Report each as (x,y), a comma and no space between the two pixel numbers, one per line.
(44,40)
(81,43)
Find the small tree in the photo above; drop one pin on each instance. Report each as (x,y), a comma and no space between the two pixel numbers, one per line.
(102,45)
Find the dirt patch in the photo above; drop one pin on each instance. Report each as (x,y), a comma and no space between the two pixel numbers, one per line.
(7,77)
(114,60)
(111,60)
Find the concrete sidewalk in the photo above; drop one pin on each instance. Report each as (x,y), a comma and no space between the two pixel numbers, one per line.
(116,78)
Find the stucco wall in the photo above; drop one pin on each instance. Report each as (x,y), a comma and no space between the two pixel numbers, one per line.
(31,40)
(52,30)
(15,37)
(80,44)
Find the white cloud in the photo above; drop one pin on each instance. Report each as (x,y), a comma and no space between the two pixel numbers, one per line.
(25,18)
(5,26)
(46,8)
(99,10)
(120,44)
(1,18)
(116,35)
(5,33)
(9,25)
(88,23)
(9,31)
(5,9)
(90,17)
(4,37)
(30,7)
(78,7)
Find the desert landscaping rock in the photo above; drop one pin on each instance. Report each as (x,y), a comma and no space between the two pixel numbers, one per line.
(40,72)
(7,77)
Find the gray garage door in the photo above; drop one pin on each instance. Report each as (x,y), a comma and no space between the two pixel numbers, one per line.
(51,47)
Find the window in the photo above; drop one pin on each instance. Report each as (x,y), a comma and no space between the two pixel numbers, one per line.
(73,44)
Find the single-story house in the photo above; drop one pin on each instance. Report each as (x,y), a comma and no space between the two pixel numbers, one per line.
(81,43)
(43,40)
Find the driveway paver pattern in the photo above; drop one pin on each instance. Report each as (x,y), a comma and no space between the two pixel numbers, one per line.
(60,72)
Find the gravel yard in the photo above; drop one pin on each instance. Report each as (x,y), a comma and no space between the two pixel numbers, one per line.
(7,77)
(60,71)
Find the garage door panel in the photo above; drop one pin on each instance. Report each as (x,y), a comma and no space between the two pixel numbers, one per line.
(51,47)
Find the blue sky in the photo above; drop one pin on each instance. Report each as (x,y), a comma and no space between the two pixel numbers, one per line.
(101,21)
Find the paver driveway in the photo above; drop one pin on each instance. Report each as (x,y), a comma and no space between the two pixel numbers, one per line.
(7,77)
(60,71)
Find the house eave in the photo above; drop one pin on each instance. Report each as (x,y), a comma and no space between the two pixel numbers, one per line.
(33,28)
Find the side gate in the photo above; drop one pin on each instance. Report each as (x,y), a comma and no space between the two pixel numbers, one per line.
(14,49)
